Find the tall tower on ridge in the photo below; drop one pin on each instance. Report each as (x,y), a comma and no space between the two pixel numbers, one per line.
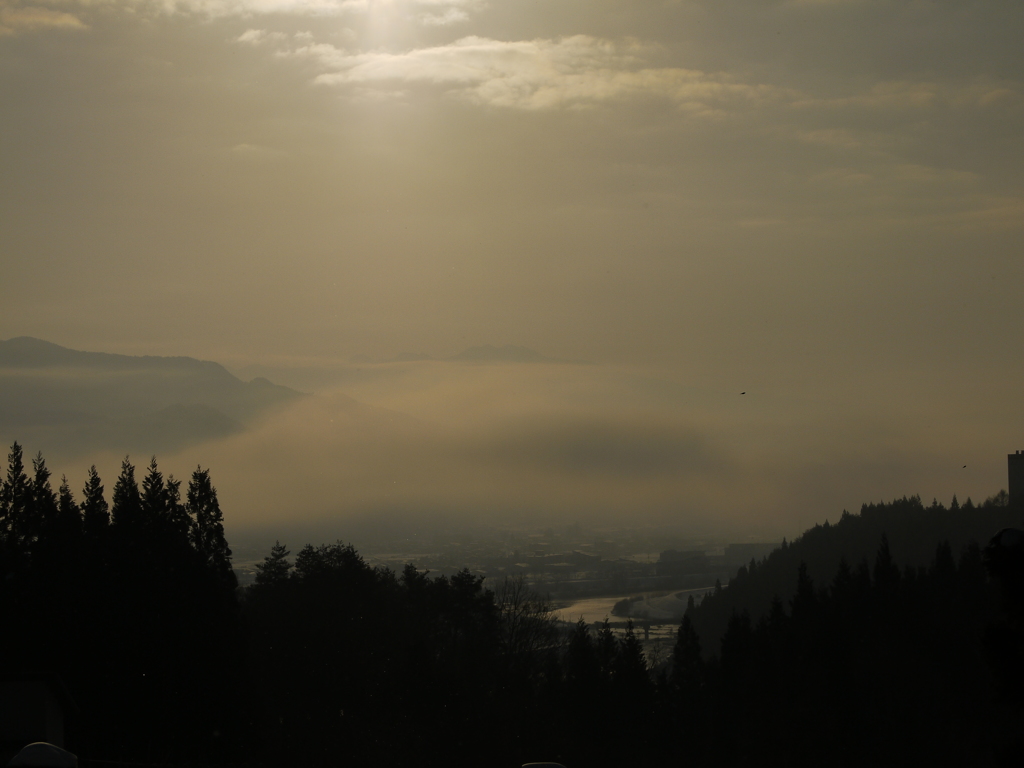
(1015,472)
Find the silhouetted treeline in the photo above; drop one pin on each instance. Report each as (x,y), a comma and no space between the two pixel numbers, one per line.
(911,529)
(358,663)
(325,660)
(878,665)
(133,603)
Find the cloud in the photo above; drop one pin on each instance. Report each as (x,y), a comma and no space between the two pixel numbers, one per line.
(248,8)
(16,19)
(426,12)
(569,443)
(450,16)
(256,152)
(260,36)
(536,74)
(820,3)
(903,95)
(597,447)
(836,138)
(513,442)
(331,456)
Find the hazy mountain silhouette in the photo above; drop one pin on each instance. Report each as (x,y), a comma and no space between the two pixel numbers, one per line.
(359,370)
(509,353)
(68,401)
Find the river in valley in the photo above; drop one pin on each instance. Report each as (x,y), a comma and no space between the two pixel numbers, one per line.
(661,606)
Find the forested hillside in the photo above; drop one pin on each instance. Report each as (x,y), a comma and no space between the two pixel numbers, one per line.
(132,602)
(912,530)
(326,660)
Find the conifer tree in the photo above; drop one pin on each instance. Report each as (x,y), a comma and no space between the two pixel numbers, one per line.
(42,516)
(179,522)
(95,512)
(737,655)
(630,662)
(805,600)
(275,568)
(971,569)
(69,517)
(126,514)
(886,573)
(153,498)
(630,680)
(15,499)
(607,649)
(842,583)
(581,665)
(208,526)
(776,620)
(687,663)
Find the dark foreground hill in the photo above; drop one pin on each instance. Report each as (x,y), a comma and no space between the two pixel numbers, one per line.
(856,646)
(327,661)
(70,402)
(912,530)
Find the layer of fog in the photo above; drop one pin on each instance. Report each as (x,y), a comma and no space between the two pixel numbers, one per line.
(413,444)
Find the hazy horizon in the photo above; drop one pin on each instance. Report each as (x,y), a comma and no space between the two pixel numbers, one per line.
(818,203)
(386,447)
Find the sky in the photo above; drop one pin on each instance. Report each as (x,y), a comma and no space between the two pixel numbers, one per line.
(819,203)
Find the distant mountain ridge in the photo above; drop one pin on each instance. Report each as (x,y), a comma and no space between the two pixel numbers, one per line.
(68,401)
(29,352)
(509,353)
(359,369)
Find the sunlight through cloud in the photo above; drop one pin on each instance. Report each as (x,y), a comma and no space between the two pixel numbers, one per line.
(535,74)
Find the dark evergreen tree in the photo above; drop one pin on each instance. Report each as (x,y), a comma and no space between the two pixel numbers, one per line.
(607,649)
(687,663)
(15,499)
(69,516)
(1001,499)
(886,574)
(178,518)
(776,621)
(804,601)
(42,515)
(95,512)
(581,665)
(208,526)
(153,499)
(630,666)
(842,584)
(126,514)
(275,569)
(943,570)
(971,570)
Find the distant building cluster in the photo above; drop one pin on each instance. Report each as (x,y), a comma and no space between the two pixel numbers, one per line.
(575,563)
